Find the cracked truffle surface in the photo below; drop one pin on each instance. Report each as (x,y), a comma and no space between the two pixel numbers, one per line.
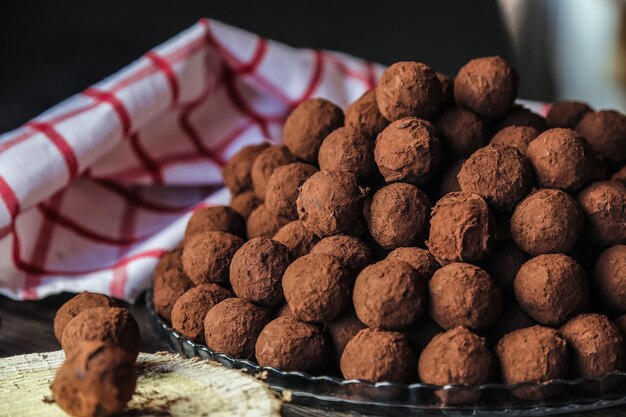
(76,305)
(605,131)
(237,170)
(518,137)
(283,188)
(364,116)
(215,219)
(207,256)
(355,254)
(297,238)
(462,131)
(264,165)
(609,276)
(567,113)
(420,259)
(604,205)
(264,223)
(348,149)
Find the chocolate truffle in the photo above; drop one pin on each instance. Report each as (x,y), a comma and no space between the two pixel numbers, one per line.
(464,295)
(605,130)
(511,318)
(347,149)
(609,276)
(561,159)
(499,174)
(449,182)
(342,330)
(216,219)
(191,308)
(233,326)
(245,203)
(355,254)
(169,260)
(283,188)
(551,288)
(257,269)
(317,287)
(237,170)
(408,89)
(462,131)
(418,258)
(264,223)
(487,86)
(462,229)
(505,260)
(399,215)
(330,202)
(604,205)
(76,305)
(292,345)
(168,286)
(547,221)
(207,256)
(297,238)
(517,137)
(364,116)
(596,344)
(421,332)
(97,380)
(521,116)
(389,294)
(362,358)
(533,354)
(112,325)
(567,113)
(307,126)
(407,150)
(264,165)
(447,89)
(620,175)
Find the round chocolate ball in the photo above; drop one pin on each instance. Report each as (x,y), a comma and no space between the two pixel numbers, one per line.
(297,238)
(462,131)
(604,205)
(551,288)
(462,229)
(215,219)
(487,86)
(233,326)
(408,89)
(547,221)
(307,126)
(168,286)
(407,150)
(520,116)
(567,113)
(237,170)
(207,256)
(171,259)
(447,89)
(364,116)
(449,181)
(245,203)
(330,203)
(343,329)
(264,223)
(257,269)
(292,345)
(317,287)
(561,159)
(418,258)
(76,305)
(283,188)
(353,253)
(609,275)
(620,175)
(264,165)
(348,149)
(505,260)
(518,137)
(191,308)
(596,344)
(605,130)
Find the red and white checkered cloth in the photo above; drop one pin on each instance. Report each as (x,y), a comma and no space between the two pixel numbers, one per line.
(93,191)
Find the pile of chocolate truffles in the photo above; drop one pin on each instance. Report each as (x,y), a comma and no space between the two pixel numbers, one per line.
(432,231)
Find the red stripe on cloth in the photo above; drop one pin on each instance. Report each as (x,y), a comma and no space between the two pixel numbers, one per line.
(61,144)
(135,199)
(9,198)
(240,103)
(345,69)
(148,163)
(118,106)
(120,273)
(168,72)
(371,75)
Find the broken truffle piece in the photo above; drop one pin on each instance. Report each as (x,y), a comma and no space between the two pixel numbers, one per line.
(462,131)
(347,149)
(297,238)
(264,165)
(364,116)
(567,113)
(76,305)
(245,203)
(283,188)
(418,258)
(237,170)
(343,329)
(264,223)
(604,205)
(505,260)
(521,116)
(215,219)
(609,275)
(517,137)
(605,131)
(355,254)
(168,286)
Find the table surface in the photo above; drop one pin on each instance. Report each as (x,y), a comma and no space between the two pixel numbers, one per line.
(26,327)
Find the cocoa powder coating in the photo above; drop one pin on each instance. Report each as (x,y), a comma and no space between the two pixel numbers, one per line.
(167,287)
(169,260)
(297,238)
(264,223)
(604,205)
(264,165)
(216,219)
(343,329)
(462,131)
(520,116)
(237,171)
(348,149)
(605,130)
(364,116)
(567,113)
(449,182)
(76,305)
(355,254)
(207,256)
(245,203)
(609,276)
(283,188)
(420,259)
(518,137)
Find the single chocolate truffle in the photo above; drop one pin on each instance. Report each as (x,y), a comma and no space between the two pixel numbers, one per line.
(342,330)
(347,149)
(418,258)
(462,131)
(533,354)
(620,175)
(215,219)
(609,275)
(283,188)
(604,205)
(567,113)
(399,215)
(297,238)
(511,318)
(76,305)
(112,325)
(464,295)
(447,89)
(257,270)
(237,170)
(462,229)
(233,326)
(407,150)
(518,137)
(191,308)
(168,286)
(245,203)
(171,259)
(307,126)
(264,165)
(364,116)
(605,130)
(264,223)
(547,221)
(317,287)
(330,203)
(421,332)
(355,254)
(596,344)
(97,380)
(551,288)
(487,86)
(207,256)
(520,116)
(292,345)
(363,357)
(449,182)
(505,260)
(389,294)
(561,159)
(408,89)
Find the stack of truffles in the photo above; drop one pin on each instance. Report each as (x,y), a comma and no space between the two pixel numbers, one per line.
(432,231)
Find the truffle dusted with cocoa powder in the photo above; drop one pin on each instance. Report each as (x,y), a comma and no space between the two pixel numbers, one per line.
(307,126)
(297,238)
(171,259)
(604,205)
(342,330)
(191,308)
(420,259)
(518,137)
(245,203)
(520,116)
(605,131)
(168,286)
(264,165)
(233,326)
(215,219)
(408,89)
(237,170)
(207,256)
(355,254)
(347,149)
(364,116)
(449,182)
(76,305)
(609,276)
(551,288)
(504,262)
(567,113)
(264,223)
(447,89)
(283,188)
(462,131)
